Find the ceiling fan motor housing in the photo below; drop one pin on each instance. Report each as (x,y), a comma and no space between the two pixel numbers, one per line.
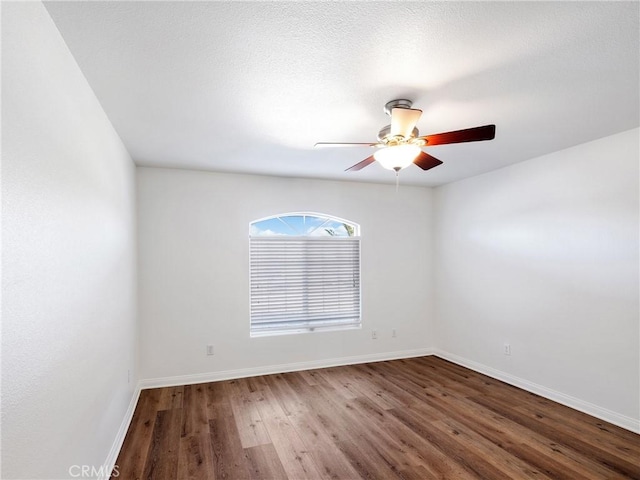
(383,134)
(400,103)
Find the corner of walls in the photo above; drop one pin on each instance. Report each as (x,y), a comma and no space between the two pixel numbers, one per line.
(432,314)
(435,262)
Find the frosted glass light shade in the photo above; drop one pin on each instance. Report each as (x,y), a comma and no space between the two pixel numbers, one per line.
(397,157)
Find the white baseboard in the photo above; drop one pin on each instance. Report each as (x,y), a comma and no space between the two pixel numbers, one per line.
(573,402)
(110,462)
(287,367)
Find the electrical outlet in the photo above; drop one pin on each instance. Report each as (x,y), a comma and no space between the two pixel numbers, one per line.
(393,333)
(209,349)
(506,349)
(374,334)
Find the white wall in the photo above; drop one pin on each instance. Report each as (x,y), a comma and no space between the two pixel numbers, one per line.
(68,258)
(543,255)
(194,269)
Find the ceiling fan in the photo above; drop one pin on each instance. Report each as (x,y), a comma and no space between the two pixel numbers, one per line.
(399,144)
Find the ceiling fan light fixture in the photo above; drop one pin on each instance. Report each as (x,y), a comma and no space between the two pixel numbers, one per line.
(399,144)
(397,157)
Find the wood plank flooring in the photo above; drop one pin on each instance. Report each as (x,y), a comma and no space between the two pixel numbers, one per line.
(420,418)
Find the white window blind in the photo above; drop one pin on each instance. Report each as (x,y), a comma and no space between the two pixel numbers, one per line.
(304,283)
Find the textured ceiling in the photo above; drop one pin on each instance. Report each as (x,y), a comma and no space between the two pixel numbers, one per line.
(251,86)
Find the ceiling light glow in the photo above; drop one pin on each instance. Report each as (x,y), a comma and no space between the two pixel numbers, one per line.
(397,157)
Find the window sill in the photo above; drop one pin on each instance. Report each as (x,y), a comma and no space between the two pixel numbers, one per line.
(295,331)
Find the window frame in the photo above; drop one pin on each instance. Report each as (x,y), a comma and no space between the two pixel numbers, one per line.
(280,327)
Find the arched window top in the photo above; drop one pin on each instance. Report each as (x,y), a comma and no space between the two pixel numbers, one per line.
(304,224)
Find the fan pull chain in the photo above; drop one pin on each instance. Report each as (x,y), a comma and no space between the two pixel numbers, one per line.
(397,179)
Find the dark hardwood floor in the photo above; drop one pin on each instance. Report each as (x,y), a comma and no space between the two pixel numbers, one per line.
(419,418)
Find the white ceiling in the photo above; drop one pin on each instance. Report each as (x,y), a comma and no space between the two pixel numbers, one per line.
(251,86)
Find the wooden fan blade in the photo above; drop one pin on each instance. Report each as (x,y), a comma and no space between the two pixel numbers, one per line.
(486,132)
(330,144)
(403,121)
(362,164)
(426,161)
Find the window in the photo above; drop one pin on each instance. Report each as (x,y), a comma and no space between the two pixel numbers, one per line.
(305,274)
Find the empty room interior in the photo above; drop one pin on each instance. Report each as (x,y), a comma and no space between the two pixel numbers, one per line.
(320,240)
